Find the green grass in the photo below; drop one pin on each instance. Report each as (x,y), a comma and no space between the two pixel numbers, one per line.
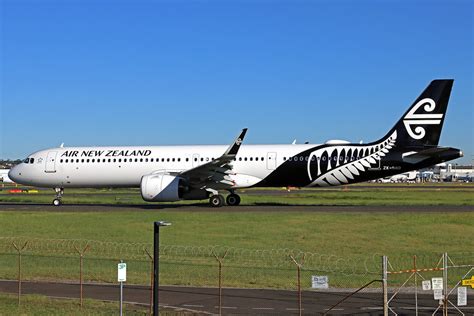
(41,305)
(389,194)
(326,232)
(343,243)
(357,239)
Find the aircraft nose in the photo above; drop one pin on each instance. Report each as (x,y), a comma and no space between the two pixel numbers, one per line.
(14,174)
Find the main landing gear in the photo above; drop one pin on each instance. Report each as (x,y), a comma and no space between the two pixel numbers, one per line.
(59,195)
(217,200)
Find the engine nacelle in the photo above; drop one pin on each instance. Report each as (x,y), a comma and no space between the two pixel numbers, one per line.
(162,187)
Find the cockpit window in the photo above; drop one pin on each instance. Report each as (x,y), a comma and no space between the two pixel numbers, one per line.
(27,160)
(32,160)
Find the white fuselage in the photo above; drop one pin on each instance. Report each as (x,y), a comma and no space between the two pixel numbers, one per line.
(125,166)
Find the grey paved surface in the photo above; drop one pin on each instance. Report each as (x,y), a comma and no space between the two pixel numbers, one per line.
(254,208)
(238,301)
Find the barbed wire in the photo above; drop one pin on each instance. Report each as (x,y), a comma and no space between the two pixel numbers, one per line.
(270,258)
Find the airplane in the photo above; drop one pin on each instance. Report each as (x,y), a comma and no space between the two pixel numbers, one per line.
(174,173)
(404,177)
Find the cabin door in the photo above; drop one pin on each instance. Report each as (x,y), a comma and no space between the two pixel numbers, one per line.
(51,162)
(271,161)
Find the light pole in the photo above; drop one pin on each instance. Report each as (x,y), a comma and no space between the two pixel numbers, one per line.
(156,263)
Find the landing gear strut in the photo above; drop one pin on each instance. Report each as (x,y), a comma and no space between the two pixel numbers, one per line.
(59,195)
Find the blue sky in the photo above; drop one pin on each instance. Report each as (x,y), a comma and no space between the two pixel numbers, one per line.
(196,72)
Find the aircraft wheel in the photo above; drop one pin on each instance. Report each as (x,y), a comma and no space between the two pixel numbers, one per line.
(233,199)
(217,200)
(57,202)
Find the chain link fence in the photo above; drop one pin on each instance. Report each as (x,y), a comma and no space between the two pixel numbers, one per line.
(90,261)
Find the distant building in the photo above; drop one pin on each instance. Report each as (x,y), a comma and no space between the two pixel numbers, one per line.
(4,176)
(456,173)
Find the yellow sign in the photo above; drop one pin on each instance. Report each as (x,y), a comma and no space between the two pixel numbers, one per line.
(469,282)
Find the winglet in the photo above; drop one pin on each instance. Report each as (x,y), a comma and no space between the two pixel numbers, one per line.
(234,148)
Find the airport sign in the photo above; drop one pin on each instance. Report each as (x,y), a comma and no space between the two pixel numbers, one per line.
(462,296)
(319,282)
(122,272)
(437,283)
(438,294)
(426,284)
(469,282)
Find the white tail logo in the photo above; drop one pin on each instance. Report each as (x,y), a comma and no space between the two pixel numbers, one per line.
(421,119)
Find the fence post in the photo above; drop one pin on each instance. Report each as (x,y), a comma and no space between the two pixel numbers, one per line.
(298,267)
(19,250)
(151,280)
(384,285)
(219,260)
(81,256)
(415,269)
(445,287)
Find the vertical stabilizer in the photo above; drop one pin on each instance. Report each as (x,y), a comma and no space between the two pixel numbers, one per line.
(421,125)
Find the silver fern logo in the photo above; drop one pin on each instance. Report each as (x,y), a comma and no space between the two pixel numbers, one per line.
(338,165)
(417,119)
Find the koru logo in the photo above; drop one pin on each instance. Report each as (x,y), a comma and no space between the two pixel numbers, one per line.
(417,119)
(238,141)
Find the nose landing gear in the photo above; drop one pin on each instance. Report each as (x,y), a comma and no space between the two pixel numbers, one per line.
(59,195)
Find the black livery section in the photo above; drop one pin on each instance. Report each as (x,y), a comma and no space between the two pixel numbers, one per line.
(411,144)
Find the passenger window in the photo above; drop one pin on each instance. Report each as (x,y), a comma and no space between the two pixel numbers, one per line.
(245,158)
(202,159)
(61,161)
(141,159)
(240,158)
(115,160)
(146,159)
(93,160)
(187,159)
(251,159)
(172,159)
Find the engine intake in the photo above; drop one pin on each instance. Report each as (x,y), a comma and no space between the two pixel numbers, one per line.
(162,187)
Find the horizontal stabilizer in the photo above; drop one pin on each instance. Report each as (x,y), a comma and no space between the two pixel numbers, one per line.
(442,153)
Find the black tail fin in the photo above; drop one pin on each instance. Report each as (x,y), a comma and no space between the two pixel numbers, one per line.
(421,125)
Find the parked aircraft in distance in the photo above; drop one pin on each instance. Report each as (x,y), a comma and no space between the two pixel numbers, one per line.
(173,173)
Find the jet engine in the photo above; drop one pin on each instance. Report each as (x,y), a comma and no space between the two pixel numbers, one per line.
(162,187)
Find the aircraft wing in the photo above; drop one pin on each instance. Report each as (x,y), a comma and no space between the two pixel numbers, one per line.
(214,174)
